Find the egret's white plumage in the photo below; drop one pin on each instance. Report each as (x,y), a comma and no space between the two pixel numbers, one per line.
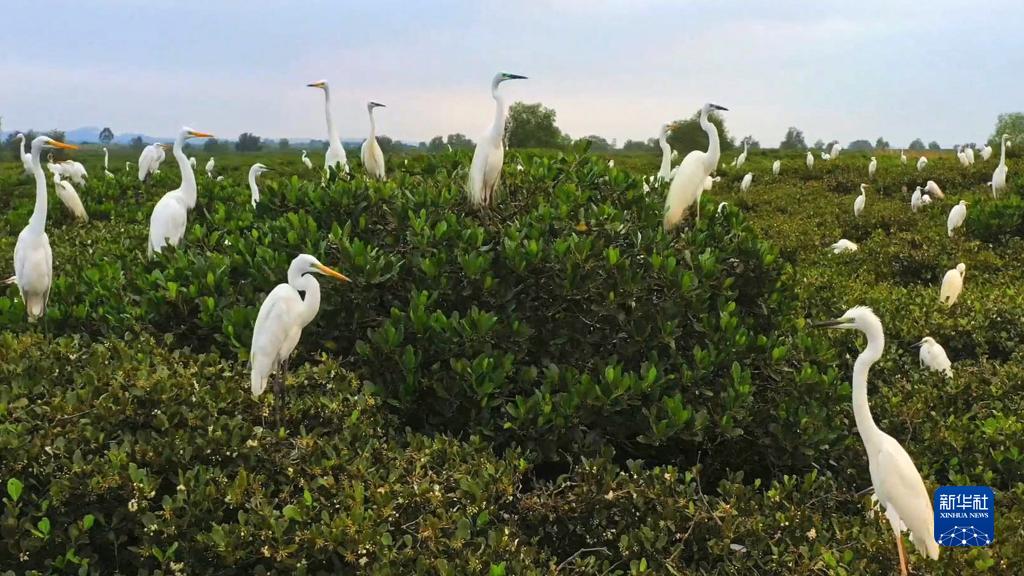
(335,157)
(962,157)
(986,153)
(952,284)
(916,200)
(843,245)
(33,258)
(903,158)
(999,176)
(306,161)
(776,167)
(934,357)
(810,159)
(664,173)
(691,174)
(932,188)
(282,316)
(748,179)
(192,162)
(489,155)
(210,165)
(872,166)
(926,199)
(742,158)
(969,152)
(26,158)
(836,149)
(106,167)
(254,190)
(709,182)
(69,196)
(371,153)
(149,160)
(897,483)
(921,163)
(170,215)
(858,204)
(956,217)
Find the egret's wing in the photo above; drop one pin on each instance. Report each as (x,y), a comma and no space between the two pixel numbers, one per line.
(276,321)
(899,485)
(69,197)
(686,187)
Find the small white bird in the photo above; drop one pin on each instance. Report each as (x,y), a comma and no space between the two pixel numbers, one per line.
(836,149)
(26,159)
(722,206)
(665,171)
(986,153)
(254,189)
(872,166)
(903,158)
(952,284)
(810,160)
(858,204)
(921,163)
(220,178)
(776,167)
(934,357)
(611,163)
(932,188)
(282,316)
(709,182)
(747,181)
(916,200)
(843,245)
(192,162)
(926,199)
(969,152)
(371,153)
(149,160)
(743,155)
(106,159)
(209,167)
(306,161)
(489,155)
(962,157)
(75,171)
(956,218)
(999,176)
(67,194)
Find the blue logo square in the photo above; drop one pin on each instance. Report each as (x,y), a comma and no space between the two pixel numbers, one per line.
(965,516)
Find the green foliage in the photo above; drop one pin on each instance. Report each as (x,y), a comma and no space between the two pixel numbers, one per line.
(859,146)
(532,126)
(933,145)
(882,144)
(916,145)
(794,140)
(1010,123)
(248,143)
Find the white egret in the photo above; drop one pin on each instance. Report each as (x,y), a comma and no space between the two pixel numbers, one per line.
(916,200)
(306,161)
(932,188)
(969,152)
(371,153)
(843,245)
(709,182)
(220,178)
(934,357)
(106,160)
(149,160)
(872,166)
(748,179)
(75,171)
(825,156)
(282,316)
(952,284)
(836,149)
(254,189)
(335,151)
(810,160)
(986,153)
(956,217)
(664,173)
(742,158)
(962,157)
(691,174)
(897,483)
(69,196)
(33,259)
(26,159)
(170,215)
(858,204)
(722,206)
(926,199)
(611,163)
(192,162)
(776,167)
(210,165)
(903,158)
(921,163)
(485,171)
(999,176)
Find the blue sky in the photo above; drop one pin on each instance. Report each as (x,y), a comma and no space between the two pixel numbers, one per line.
(619,68)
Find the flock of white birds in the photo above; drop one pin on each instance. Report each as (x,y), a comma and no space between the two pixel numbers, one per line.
(293,305)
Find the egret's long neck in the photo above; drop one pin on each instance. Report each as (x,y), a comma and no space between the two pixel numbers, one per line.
(311,300)
(22,146)
(1002,153)
(714,147)
(373,125)
(37,223)
(332,132)
(666,152)
(869,432)
(498,128)
(105,158)
(253,188)
(188,178)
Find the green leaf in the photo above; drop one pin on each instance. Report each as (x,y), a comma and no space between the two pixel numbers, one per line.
(14,487)
(44,526)
(292,513)
(498,570)
(88,521)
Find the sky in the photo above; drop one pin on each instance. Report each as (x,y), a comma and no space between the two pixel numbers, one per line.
(938,70)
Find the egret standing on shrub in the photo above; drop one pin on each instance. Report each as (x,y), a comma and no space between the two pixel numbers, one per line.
(921,163)
(898,484)
(843,245)
(210,164)
(742,158)
(371,154)
(916,200)
(776,167)
(283,315)
(335,151)
(665,172)
(489,155)
(688,183)
(254,189)
(932,188)
(810,160)
(858,204)
(903,158)
(106,160)
(170,215)
(26,159)
(748,179)
(872,166)
(150,160)
(956,218)
(934,356)
(69,196)
(33,259)
(952,284)
(986,153)
(306,161)
(999,176)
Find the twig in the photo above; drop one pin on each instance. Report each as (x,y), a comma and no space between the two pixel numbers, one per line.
(581,551)
(705,498)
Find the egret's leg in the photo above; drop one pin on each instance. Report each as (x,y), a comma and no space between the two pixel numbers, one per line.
(903,556)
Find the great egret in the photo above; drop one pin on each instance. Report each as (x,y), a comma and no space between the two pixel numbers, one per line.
(843,245)
(921,163)
(33,259)
(903,158)
(810,160)
(999,176)
(962,157)
(825,156)
(748,179)
(952,284)
(934,357)
(688,182)
(872,166)
(371,154)
(709,182)
(69,196)
(282,316)
(897,483)
(210,164)
(969,152)
(742,158)
(192,162)
(956,218)
(306,161)
(149,160)
(776,167)
(836,149)
(335,151)
(220,178)
(485,171)
(254,189)
(664,173)
(932,188)
(926,199)
(986,153)
(858,204)
(106,159)
(916,200)
(76,171)
(26,159)
(611,163)
(170,215)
